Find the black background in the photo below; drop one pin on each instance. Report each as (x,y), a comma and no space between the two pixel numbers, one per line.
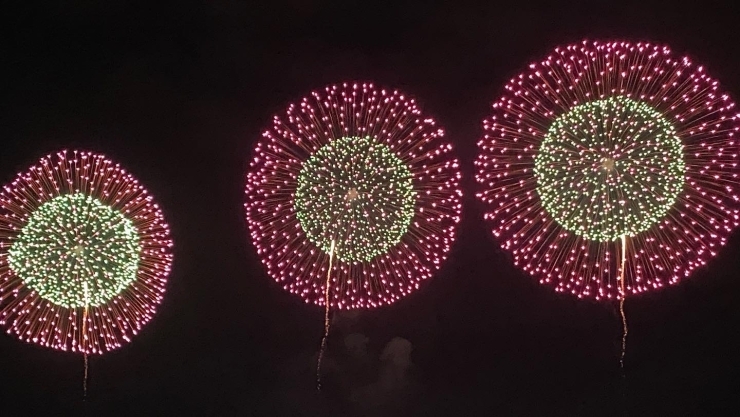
(178,92)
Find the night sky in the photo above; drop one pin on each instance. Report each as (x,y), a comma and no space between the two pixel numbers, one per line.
(178,93)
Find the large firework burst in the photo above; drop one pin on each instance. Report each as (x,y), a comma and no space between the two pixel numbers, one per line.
(84,254)
(356,184)
(610,169)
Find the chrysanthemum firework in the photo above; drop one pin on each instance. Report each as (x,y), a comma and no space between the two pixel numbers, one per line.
(356,184)
(84,254)
(610,169)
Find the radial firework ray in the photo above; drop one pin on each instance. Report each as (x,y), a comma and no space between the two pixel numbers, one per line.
(84,254)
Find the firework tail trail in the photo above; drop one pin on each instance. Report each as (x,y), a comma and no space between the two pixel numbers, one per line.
(83,339)
(621,303)
(624,321)
(327,323)
(84,378)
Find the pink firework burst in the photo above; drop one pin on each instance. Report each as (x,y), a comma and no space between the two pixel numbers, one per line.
(84,254)
(354,183)
(610,169)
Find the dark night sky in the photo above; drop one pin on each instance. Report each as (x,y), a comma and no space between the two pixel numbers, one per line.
(178,93)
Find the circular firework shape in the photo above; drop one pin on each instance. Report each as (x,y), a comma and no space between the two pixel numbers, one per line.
(606,151)
(346,190)
(75,251)
(602,154)
(84,254)
(358,173)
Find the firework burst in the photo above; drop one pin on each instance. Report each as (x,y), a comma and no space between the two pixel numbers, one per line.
(610,169)
(353,178)
(84,254)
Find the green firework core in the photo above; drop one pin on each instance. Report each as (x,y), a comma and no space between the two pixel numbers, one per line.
(76,251)
(610,168)
(358,193)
